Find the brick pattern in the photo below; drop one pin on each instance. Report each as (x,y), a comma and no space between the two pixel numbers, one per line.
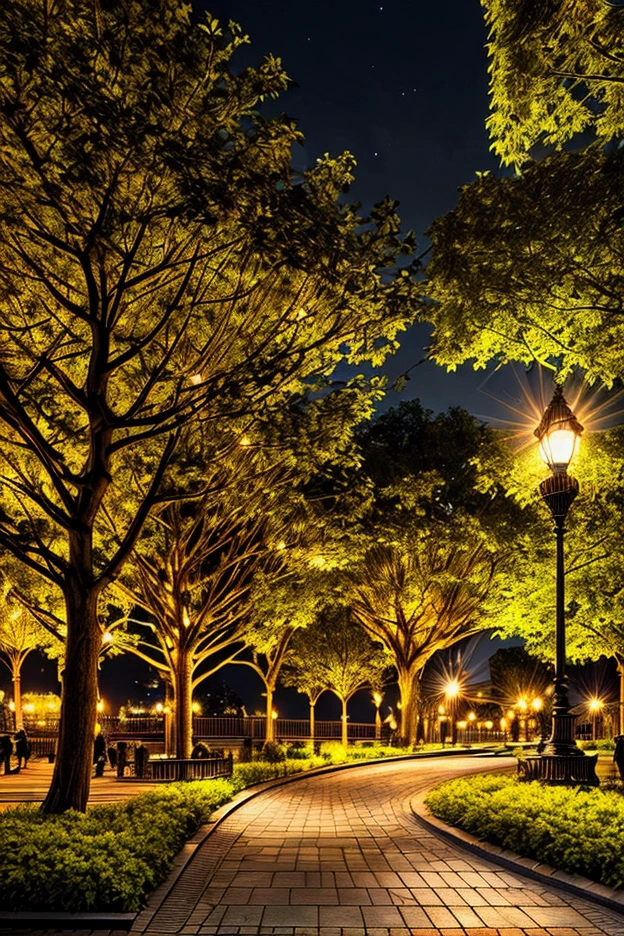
(341,855)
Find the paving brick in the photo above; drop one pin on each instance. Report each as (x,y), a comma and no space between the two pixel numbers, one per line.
(342,852)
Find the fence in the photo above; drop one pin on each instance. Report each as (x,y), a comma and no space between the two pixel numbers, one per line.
(232,727)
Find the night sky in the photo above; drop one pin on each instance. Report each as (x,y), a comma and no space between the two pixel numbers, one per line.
(402,84)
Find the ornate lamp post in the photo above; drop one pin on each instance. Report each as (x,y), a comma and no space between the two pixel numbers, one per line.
(559,434)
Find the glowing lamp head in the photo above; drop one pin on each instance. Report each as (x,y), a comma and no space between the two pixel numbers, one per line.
(595,705)
(452,689)
(558,434)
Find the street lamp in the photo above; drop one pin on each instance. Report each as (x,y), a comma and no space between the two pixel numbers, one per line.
(377,700)
(595,705)
(452,691)
(559,434)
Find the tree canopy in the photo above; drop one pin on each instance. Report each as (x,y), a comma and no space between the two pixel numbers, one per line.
(160,262)
(557,70)
(529,268)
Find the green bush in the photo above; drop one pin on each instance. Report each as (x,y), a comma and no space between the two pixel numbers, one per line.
(112,857)
(107,859)
(272,752)
(604,744)
(573,829)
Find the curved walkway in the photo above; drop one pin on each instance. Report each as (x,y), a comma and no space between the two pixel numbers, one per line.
(341,854)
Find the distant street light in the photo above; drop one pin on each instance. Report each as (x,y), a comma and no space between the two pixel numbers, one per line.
(595,706)
(452,691)
(377,699)
(559,434)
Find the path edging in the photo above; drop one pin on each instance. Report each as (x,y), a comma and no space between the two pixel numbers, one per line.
(529,867)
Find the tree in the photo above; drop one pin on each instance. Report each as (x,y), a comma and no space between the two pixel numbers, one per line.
(556,70)
(20,634)
(193,573)
(159,261)
(437,543)
(529,268)
(334,653)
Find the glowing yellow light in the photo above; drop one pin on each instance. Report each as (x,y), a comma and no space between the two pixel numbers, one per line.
(595,705)
(274,715)
(522,705)
(503,723)
(462,724)
(159,708)
(281,545)
(471,716)
(244,440)
(100,705)
(196,708)
(441,710)
(29,707)
(536,704)
(489,725)
(452,689)
(558,433)
(12,706)
(377,698)
(107,637)
(318,562)
(196,379)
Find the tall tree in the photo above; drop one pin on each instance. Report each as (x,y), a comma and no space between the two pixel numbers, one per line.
(159,259)
(439,541)
(20,634)
(335,653)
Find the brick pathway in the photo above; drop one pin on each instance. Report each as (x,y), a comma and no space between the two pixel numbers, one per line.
(341,855)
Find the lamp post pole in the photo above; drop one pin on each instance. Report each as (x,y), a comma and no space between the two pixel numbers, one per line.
(562,761)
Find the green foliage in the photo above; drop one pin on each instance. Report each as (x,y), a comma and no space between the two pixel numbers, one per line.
(273,752)
(109,858)
(601,744)
(334,752)
(436,549)
(336,654)
(557,69)
(574,830)
(529,268)
(161,264)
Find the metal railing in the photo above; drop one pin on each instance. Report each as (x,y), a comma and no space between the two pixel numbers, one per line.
(233,727)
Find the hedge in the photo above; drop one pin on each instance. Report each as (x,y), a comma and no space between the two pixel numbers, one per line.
(570,828)
(112,857)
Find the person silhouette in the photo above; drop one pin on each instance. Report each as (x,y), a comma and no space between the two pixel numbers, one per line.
(22,748)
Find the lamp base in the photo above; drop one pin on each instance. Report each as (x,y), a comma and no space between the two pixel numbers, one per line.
(564,769)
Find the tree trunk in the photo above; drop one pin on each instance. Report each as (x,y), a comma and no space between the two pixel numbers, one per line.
(16,676)
(345,734)
(409,700)
(620,669)
(183,708)
(312,712)
(168,719)
(269,734)
(71,779)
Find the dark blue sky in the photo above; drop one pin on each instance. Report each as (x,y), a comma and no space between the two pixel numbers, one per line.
(402,84)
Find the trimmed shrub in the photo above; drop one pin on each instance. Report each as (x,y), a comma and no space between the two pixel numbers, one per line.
(573,829)
(272,752)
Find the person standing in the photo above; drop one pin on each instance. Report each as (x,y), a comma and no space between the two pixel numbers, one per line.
(22,748)
(6,750)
